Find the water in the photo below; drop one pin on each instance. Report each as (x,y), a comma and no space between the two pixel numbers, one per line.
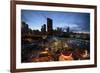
(79,43)
(71,42)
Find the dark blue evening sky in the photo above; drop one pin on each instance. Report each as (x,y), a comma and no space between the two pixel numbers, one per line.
(78,22)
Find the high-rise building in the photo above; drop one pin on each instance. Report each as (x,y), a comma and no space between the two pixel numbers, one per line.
(43,29)
(49,26)
(68,29)
(24,28)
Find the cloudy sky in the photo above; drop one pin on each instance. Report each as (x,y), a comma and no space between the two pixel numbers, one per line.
(78,22)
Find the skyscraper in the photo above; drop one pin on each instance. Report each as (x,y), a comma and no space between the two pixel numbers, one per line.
(24,28)
(43,29)
(49,26)
(68,29)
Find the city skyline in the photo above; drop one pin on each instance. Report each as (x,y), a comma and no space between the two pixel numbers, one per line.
(78,22)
